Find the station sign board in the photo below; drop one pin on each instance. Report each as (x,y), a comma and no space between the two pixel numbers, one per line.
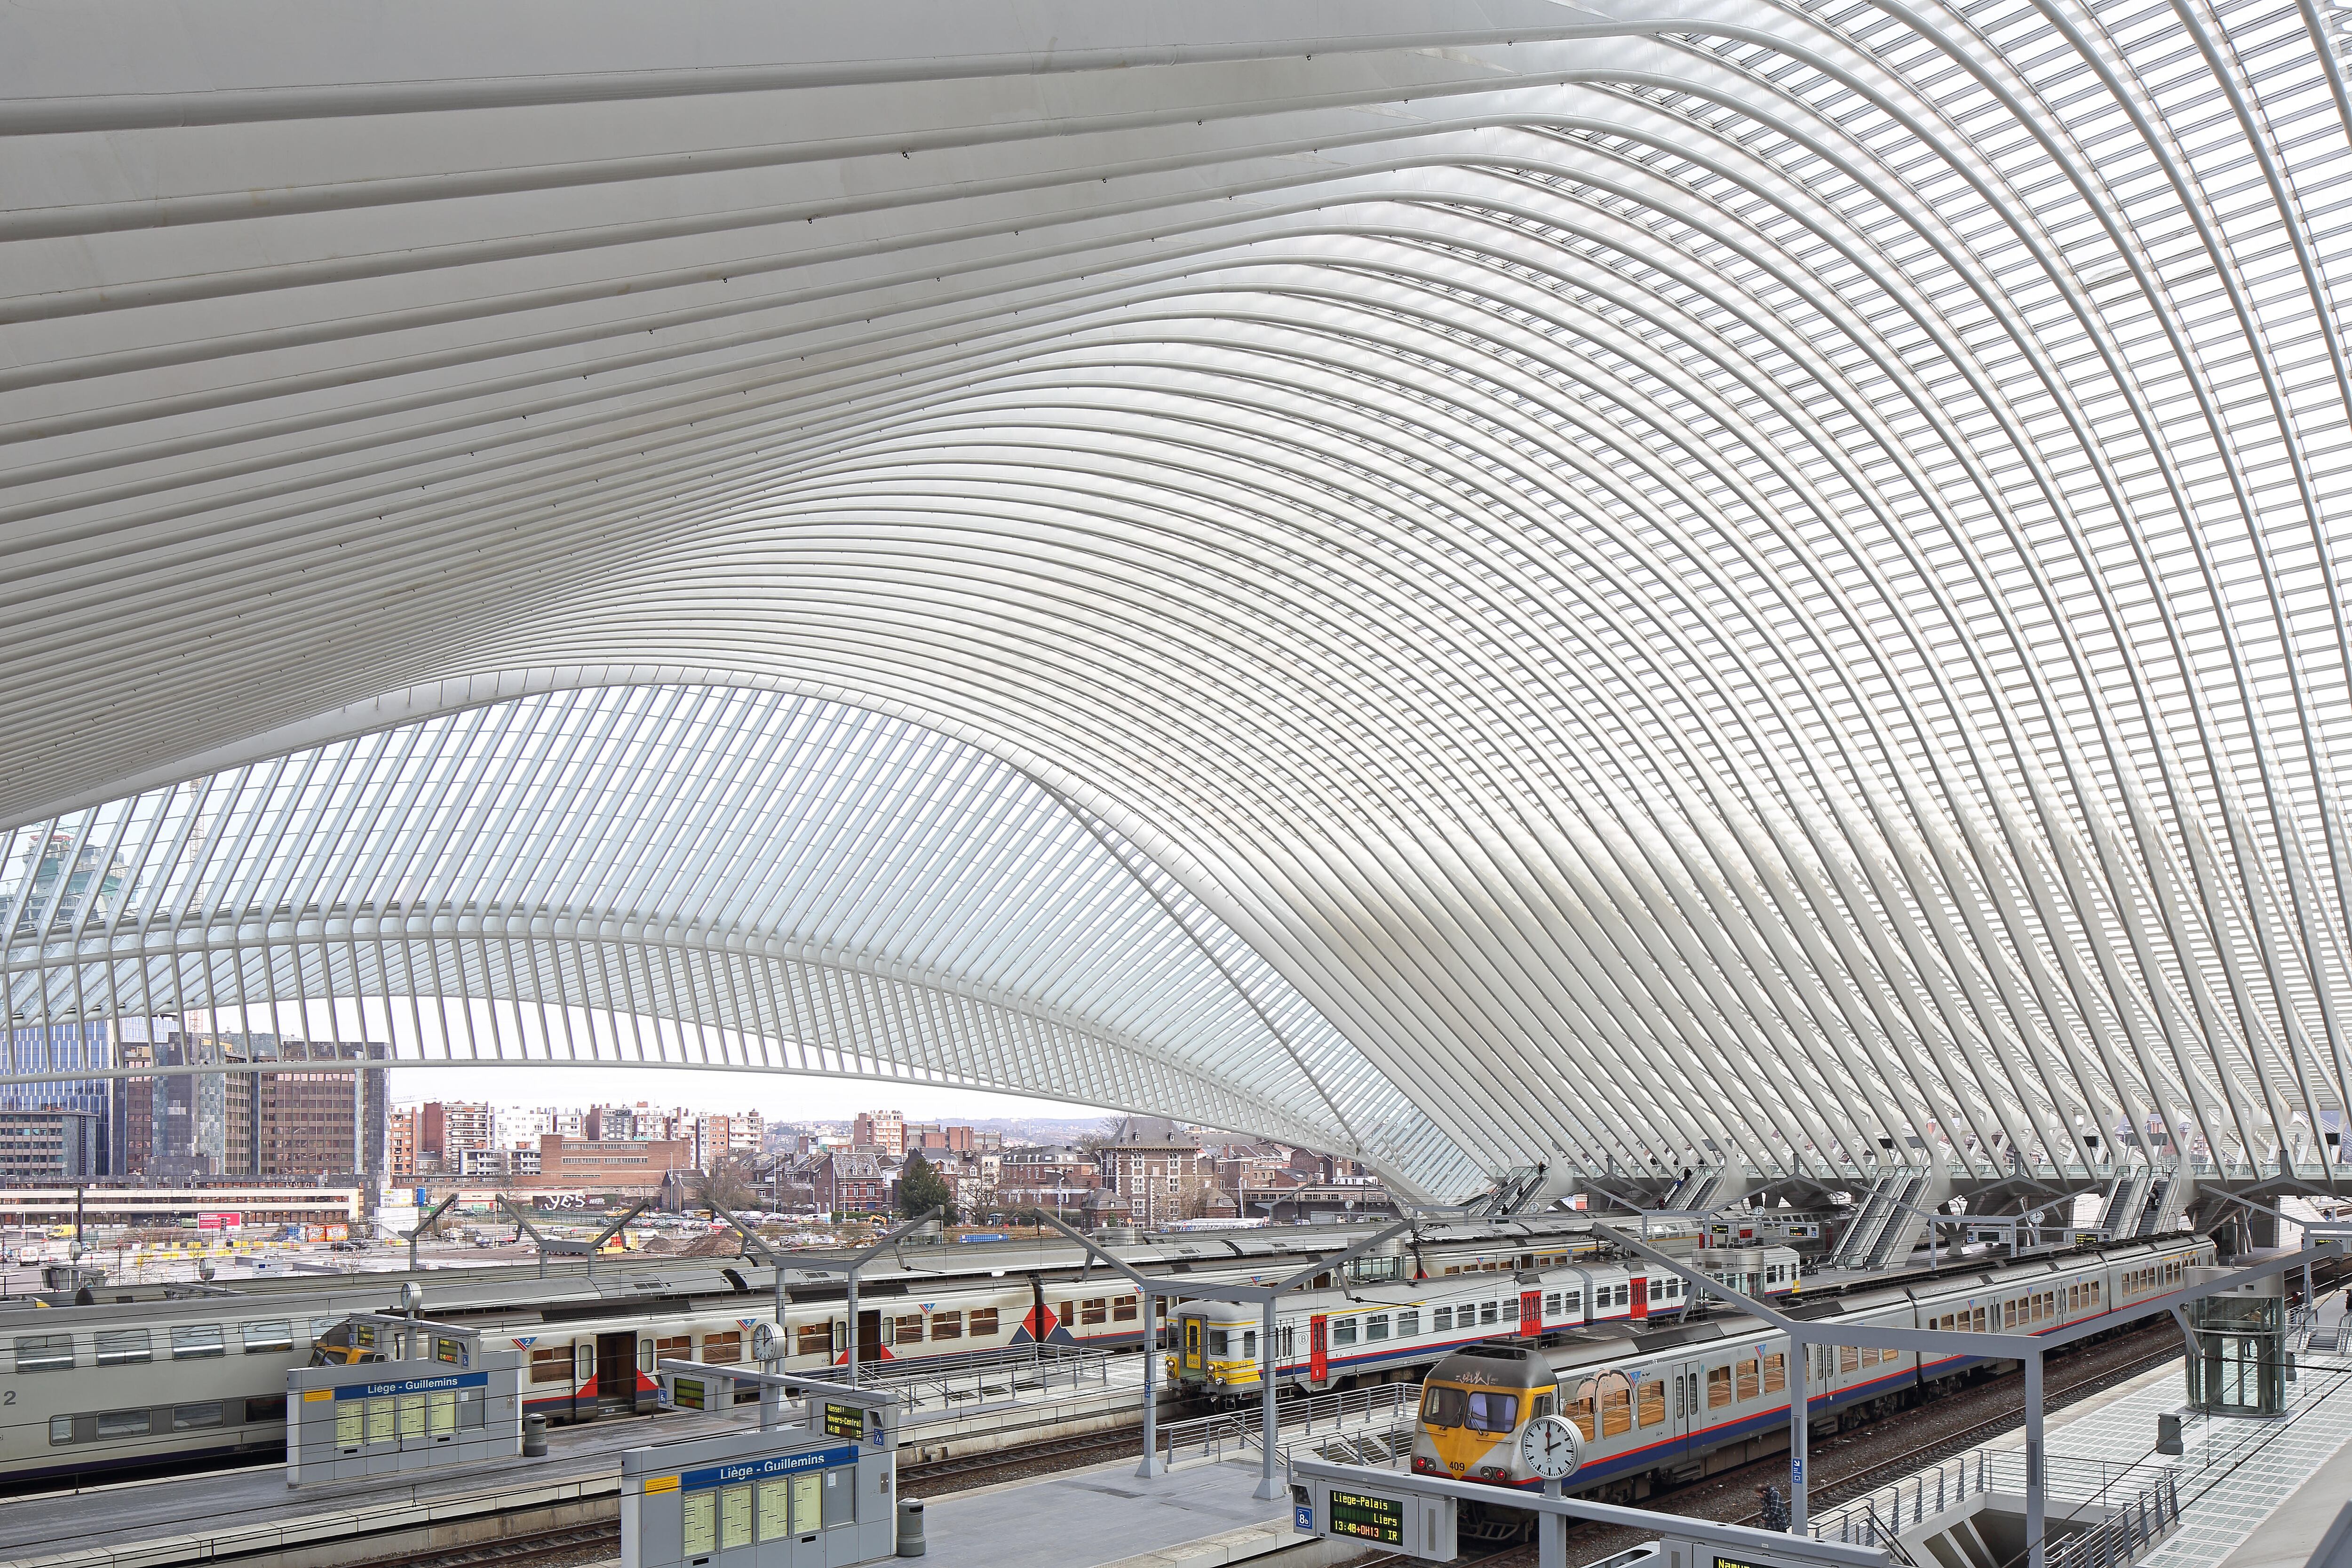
(844,1421)
(1401,1519)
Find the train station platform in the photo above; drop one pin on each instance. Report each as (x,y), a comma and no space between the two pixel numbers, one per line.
(1198,1515)
(2252,1493)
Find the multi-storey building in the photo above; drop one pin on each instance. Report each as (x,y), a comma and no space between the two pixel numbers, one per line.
(721,1134)
(611,1163)
(51,1144)
(65,1048)
(882,1130)
(402,1136)
(446,1129)
(1149,1161)
(856,1182)
(304,1115)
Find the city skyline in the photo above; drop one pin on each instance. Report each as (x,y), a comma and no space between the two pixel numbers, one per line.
(715,1089)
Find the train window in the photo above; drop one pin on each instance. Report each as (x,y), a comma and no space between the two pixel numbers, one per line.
(188,1417)
(1443,1406)
(1409,1323)
(193,1342)
(266,1408)
(2009,1314)
(44,1352)
(1069,1315)
(1343,1331)
(1490,1310)
(1981,1320)
(1122,1309)
(1492,1412)
(1652,1406)
(121,1347)
(981,1324)
(719,1350)
(1573,1303)
(1094,1311)
(1220,1345)
(321,1327)
(1579,1410)
(550,1365)
(1718,1386)
(1746,1385)
(122,1423)
(1775,1373)
(1441,1320)
(1249,1344)
(1848,1358)
(1616,1403)
(812,1338)
(906,1331)
(1376,1327)
(947,1325)
(2098,1288)
(1551,1304)
(260,1338)
(60,1430)
(671,1347)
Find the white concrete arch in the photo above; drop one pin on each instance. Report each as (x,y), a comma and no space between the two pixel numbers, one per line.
(1687,579)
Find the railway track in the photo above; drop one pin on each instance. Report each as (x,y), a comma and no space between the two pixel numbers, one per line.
(1856,1483)
(553,1549)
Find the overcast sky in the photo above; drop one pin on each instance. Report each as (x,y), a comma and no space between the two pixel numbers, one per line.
(776,1096)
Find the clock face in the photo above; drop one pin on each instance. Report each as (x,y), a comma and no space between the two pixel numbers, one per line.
(764,1343)
(1551,1448)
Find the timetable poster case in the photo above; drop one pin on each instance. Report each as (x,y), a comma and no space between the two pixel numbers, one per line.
(396,1418)
(792,1498)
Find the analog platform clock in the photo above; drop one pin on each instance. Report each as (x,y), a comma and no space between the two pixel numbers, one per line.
(1552,1448)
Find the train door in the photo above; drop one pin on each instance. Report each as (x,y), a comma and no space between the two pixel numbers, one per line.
(583,1377)
(870,1338)
(1319,1347)
(1191,1347)
(1530,1313)
(1641,1297)
(616,1371)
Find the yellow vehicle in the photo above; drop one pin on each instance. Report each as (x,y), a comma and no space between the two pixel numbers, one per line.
(1473,1404)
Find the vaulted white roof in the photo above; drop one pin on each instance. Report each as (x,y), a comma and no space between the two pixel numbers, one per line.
(1637,579)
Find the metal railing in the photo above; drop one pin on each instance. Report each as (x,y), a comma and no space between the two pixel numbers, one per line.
(2122,1536)
(972,1380)
(1237,1431)
(1885,1511)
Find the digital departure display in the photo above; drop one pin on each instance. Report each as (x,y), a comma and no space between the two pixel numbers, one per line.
(844,1421)
(1367,1518)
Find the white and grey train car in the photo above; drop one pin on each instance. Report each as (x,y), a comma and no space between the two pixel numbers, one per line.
(149,1381)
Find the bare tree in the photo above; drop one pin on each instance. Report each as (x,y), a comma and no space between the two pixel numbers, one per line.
(1198,1196)
(731,1182)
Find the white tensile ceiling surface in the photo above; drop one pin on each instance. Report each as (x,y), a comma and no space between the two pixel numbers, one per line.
(1501,582)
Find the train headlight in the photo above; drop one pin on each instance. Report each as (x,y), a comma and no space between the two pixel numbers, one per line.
(1493,1473)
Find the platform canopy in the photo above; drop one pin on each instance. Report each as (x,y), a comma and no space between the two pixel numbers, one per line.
(1622,585)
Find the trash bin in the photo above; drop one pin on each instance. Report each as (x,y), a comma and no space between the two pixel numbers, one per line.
(910,1527)
(2167,1434)
(534,1436)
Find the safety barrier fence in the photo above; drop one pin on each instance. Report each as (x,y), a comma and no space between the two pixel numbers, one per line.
(2142,1512)
(975,1379)
(1388,1406)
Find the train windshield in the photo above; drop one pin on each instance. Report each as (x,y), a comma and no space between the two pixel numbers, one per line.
(1443,1406)
(1493,1411)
